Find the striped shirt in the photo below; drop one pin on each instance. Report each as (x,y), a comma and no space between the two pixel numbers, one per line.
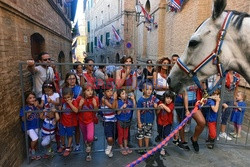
(49,126)
(108,115)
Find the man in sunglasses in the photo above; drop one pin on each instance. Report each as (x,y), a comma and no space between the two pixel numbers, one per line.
(40,73)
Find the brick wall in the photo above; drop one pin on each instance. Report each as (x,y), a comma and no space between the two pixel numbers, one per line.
(18,21)
(178,26)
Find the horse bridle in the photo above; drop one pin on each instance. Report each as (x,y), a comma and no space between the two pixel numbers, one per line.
(213,56)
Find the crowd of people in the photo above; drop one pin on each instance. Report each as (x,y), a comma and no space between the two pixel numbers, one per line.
(71,109)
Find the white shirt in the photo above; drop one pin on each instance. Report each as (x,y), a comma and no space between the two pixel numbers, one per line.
(52,97)
(40,76)
(160,82)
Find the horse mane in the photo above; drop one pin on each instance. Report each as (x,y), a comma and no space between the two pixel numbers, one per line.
(239,19)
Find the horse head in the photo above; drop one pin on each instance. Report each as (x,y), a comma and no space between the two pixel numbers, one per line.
(222,40)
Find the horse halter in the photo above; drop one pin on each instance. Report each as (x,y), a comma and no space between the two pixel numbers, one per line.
(213,56)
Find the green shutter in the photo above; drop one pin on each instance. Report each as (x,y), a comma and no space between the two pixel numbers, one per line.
(95,41)
(107,38)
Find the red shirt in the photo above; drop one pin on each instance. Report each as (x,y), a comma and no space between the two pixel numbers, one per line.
(86,117)
(69,119)
(164,117)
(90,80)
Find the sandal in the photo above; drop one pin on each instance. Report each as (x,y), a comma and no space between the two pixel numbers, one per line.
(66,152)
(129,151)
(124,152)
(88,158)
(35,157)
(46,156)
(88,149)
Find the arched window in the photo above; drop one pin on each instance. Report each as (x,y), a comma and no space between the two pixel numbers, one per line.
(37,43)
(147,6)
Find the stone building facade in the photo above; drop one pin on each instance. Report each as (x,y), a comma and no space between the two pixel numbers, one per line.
(175,29)
(100,16)
(27,28)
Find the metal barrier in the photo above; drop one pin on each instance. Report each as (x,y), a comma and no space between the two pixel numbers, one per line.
(101,143)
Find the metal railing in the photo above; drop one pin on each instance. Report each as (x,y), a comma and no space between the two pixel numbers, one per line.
(100,146)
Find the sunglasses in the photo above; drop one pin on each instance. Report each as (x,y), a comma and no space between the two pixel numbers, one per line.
(47,59)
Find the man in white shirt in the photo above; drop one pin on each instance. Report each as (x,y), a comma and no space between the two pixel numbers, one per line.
(40,73)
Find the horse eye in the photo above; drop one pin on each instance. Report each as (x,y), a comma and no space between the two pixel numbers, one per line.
(193,43)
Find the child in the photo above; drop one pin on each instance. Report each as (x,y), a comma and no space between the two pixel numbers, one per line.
(32,121)
(238,114)
(87,118)
(50,118)
(210,109)
(50,99)
(124,119)
(145,118)
(165,117)
(109,101)
(68,120)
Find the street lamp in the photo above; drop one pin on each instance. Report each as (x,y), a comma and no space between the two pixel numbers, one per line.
(138,12)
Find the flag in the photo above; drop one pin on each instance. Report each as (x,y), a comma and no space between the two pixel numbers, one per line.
(175,5)
(147,16)
(99,43)
(117,36)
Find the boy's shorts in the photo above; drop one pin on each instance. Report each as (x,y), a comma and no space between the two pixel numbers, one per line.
(164,131)
(146,131)
(66,131)
(109,129)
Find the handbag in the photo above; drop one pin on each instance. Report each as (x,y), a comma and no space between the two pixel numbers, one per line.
(124,124)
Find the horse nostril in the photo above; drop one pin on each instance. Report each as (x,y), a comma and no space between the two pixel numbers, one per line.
(169,81)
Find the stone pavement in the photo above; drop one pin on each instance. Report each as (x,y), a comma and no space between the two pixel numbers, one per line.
(221,156)
(225,154)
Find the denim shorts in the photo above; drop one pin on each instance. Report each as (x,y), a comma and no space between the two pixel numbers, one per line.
(109,129)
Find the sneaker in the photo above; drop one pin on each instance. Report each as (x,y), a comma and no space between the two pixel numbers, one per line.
(195,145)
(77,147)
(187,128)
(110,155)
(141,151)
(183,147)
(108,150)
(88,149)
(176,142)
(95,138)
(210,144)
(162,152)
(225,136)
(157,139)
(232,133)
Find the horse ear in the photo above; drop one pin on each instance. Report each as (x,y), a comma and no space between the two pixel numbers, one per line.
(219,6)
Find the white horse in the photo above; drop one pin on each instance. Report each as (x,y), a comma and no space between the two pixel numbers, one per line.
(233,53)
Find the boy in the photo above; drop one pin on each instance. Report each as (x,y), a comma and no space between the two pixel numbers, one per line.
(145,118)
(210,110)
(165,116)
(68,120)
(109,101)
